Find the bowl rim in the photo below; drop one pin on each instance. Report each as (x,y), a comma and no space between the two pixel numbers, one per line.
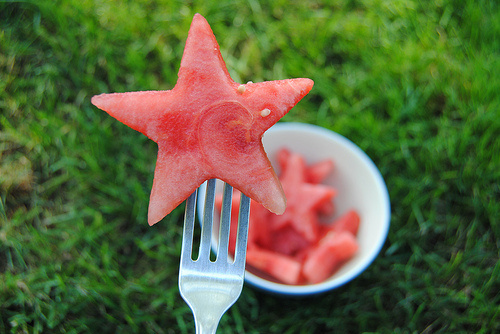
(300,290)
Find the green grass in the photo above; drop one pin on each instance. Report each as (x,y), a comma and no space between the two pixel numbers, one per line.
(415,84)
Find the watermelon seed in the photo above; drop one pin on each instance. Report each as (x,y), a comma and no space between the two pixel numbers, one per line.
(265,112)
(241,89)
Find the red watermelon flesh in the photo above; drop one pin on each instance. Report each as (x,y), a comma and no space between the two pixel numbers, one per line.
(260,231)
(208,126)
(332,250)
(282,157)
(303,198)
(348,222)
(281,267)
(316,173)
(288,241)
(326,209)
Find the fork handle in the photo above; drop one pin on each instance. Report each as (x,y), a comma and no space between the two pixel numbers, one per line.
(205,329)
(207,320)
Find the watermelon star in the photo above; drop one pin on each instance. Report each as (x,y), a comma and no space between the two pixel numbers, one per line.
(208,126)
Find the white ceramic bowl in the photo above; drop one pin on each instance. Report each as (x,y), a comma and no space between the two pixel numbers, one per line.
(360,186)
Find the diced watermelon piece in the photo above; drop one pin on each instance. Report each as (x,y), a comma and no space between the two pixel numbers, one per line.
(288,241)
(282,157)
(348,222)
(332,250)
(303,198)
(326,209)
(259,232)
(324,196)
(208,126)
(281,267)
(301,212)
(294,172)
(316,173)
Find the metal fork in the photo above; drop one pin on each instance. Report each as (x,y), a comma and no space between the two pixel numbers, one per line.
(210,288)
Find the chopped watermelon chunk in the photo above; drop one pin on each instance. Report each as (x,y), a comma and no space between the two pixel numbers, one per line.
(208,126)
(303,198)
(281,267)
(282,157)
(288,241)
(316,173)
(326,209)
(332,250)
(348,222)
(260,231)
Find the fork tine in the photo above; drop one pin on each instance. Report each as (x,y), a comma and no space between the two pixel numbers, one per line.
(225,223)
(241,239)
(208,218)
(188,229)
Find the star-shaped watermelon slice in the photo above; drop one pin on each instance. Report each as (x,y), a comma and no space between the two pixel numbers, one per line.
(208,126)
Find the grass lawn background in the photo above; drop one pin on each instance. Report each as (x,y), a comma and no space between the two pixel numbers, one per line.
(415,84)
